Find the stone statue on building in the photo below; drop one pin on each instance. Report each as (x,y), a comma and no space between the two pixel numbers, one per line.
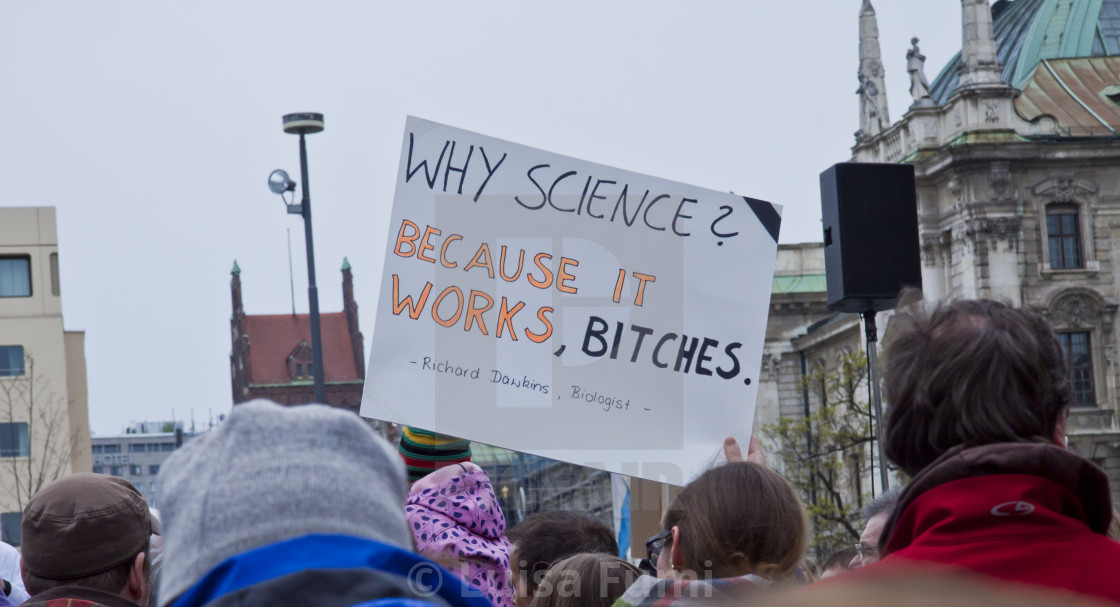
(870,123)
(916,66)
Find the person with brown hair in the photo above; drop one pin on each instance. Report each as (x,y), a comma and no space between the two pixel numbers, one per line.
(978,394)
(585,580)
(974,372)
(735,528)
(735,520)
(544,538)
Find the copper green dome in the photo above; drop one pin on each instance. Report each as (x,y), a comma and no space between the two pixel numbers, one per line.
(1028,31)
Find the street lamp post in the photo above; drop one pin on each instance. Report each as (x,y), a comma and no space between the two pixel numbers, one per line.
(303,124)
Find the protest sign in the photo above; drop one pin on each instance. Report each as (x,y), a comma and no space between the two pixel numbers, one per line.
(568,309)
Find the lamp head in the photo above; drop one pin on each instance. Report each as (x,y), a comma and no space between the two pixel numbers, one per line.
(279,182)
(303,123)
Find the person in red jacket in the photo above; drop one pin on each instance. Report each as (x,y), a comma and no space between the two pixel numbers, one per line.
(978,395)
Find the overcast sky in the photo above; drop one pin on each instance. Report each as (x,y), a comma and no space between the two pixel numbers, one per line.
(153,126)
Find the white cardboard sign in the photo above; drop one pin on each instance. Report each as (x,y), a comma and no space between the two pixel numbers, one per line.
(568,309)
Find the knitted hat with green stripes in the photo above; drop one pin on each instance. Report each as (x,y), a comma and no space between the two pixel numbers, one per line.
(424,451)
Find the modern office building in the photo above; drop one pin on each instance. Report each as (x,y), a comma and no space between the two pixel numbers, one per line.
(138,454)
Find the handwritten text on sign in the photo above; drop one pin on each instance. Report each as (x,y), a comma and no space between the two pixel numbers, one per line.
(525,294)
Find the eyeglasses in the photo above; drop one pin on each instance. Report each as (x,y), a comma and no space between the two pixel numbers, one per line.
(655,544)
(866,552)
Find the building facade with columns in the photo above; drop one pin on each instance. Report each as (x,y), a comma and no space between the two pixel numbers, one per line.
(1016,149)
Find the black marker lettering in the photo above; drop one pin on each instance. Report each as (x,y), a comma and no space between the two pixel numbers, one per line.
(489,171)
(642,332)
(462,172)
(657,349)
(645,216)
(550,190)
(703,356)
(596,327)
(598,182)
(726,211)
(622,202)
(730,351)
(529,174)
(429,177)
(680,215)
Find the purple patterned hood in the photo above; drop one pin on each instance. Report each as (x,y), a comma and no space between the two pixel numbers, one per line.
(460,519)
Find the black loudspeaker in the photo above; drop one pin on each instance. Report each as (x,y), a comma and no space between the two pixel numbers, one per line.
(870,216)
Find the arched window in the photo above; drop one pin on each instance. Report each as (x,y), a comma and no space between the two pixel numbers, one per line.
(1079,358)
(1064,236)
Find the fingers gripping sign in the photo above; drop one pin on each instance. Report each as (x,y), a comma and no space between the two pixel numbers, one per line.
(734,453)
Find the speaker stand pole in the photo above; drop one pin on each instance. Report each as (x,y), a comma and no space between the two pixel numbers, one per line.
(871,332)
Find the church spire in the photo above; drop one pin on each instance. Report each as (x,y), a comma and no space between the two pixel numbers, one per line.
(979,62)
(873,116)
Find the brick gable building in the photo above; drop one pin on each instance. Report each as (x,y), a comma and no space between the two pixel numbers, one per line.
(271,356)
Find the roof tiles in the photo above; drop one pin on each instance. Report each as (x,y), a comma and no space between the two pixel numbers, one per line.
(273,337)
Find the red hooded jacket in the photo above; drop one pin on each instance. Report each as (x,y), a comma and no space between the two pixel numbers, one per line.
(1020,512)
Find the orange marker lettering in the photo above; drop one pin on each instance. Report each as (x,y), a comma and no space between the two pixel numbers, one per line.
(546,282)
(410,239)
(425,245)
(540,337)
(505,317)
(643,278)
(458,309)
(414,309)
(443,251)
(475,313)
(482,253)
(565,276)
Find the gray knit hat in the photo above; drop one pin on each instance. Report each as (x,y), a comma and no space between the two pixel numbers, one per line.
(271,473)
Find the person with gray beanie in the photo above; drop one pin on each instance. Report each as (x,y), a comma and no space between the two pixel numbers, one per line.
(293,506)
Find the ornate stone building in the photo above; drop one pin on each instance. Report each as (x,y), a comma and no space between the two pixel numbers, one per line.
(1016,148)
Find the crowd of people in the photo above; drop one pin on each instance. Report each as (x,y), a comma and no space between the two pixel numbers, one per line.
(308,506)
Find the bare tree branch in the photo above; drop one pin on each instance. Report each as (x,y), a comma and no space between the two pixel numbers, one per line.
(29,399)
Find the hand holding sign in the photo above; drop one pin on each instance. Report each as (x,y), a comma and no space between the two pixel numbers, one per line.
(733,453)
